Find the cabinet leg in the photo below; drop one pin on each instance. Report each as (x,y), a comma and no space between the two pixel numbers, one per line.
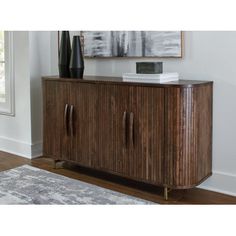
(55,164)
(166,191)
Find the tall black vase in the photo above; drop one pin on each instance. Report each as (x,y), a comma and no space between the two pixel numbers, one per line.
(76,61)
(64,55)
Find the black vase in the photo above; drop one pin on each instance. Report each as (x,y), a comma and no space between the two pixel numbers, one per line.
(76,60)
(64,55)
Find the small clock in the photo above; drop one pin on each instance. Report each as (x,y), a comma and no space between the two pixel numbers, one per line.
(149,67)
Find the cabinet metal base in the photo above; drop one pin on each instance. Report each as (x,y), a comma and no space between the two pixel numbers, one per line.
(166,191)
(55,163)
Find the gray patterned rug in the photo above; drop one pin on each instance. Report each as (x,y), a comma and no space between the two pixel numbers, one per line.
(30,185)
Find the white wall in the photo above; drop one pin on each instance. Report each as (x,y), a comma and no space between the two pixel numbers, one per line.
(22,133)
(40,64)
(207,56)
(15,131)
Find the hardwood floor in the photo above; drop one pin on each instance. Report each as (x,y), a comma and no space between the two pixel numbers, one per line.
(148,192)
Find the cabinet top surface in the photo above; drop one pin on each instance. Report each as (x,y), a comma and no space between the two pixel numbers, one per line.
(118,80)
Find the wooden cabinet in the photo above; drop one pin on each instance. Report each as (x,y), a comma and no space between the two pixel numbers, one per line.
(154,133)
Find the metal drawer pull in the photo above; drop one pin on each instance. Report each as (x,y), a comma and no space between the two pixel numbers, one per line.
(71,120)
(124,129)
(66,118)
(131,129)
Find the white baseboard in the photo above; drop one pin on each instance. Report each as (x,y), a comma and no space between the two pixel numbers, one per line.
(36,150)
(21,148)
(221,182)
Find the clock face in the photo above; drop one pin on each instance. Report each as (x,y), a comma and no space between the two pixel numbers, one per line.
(149,67)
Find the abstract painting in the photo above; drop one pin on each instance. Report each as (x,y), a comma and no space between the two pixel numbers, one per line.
(132,43)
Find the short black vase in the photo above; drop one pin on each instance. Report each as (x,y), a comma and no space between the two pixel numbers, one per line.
(64,55)
(76,60)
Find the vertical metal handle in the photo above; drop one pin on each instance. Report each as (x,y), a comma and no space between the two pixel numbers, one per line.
(71,120)
(131,129)
(66,118)
(124,128)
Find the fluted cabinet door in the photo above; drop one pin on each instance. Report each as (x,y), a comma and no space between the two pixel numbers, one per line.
(113,108)
(84,134)
(146,151)
(56,142)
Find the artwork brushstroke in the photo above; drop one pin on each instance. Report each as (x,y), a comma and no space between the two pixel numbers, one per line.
(132,43)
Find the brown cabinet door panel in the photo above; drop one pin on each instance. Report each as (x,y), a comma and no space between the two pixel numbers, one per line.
(84,99)
(147,152)
(113,103)
(56,141)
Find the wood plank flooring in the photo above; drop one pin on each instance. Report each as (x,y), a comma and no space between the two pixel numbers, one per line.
(145,191)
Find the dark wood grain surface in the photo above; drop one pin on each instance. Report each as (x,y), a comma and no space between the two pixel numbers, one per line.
(84,99)
(188,148)
(146,153)
(155,134)
(119,80)
(56,142)
(113,152)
